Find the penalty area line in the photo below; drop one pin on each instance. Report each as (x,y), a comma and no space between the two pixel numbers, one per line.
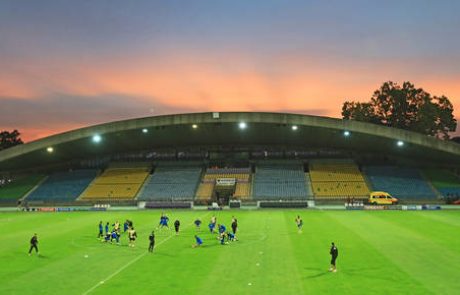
(130,263)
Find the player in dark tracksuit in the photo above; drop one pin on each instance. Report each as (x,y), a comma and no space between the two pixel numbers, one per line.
(176,226)
(234,226)
(101,227)
(334,253)
(152,241)
(33,244)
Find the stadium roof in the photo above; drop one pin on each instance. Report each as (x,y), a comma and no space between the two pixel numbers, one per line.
(224,128)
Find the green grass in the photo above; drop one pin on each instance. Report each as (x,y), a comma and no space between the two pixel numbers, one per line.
(390,252)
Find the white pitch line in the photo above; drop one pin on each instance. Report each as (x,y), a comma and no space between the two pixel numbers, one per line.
(131,262)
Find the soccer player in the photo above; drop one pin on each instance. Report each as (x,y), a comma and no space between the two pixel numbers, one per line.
(164,221)
(132,236)
(199,242)
(211,227)
(106,228)
(116,226)
(197,223)
(231,236)
(222,228)
(234,225)
(299,223)
(115,236)
(33,244)
(334,253)
(176,226)
(125,226)
(152,241)
(100,235)
(222,238)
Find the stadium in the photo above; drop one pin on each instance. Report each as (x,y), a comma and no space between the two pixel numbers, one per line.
(263,169)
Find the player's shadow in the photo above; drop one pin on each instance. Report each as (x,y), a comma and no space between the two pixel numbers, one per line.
(319,272)
(163,254)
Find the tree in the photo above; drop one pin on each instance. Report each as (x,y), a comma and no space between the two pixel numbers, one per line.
(9,139)
(405,107)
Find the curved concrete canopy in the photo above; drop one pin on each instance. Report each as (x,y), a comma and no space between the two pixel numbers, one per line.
(222,128)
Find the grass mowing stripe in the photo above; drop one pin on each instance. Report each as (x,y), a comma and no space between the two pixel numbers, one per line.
(131,262)
(416,255)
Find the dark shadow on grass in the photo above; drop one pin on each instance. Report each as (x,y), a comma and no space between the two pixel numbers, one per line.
(320,274)
(161,254)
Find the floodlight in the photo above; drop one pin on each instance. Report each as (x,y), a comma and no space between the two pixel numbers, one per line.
(97,138)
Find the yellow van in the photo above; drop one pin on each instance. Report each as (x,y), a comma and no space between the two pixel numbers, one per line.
(382,198)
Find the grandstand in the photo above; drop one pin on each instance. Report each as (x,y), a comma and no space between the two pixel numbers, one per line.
(281,162)
(240,190)
(171,183)
(337,179)
(446,182)
(63,186)
(19,187)
(117,183)
(401,182)
(279,181)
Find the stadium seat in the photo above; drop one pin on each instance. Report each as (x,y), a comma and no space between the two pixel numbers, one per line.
(402,183)
(19,187)
(116,184)
(337,179)
(171,183)
(279,181)
(63,186)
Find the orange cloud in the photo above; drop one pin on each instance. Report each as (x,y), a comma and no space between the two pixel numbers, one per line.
(229,82)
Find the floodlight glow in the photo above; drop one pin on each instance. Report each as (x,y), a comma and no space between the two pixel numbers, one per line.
(242,125)
(97,138)
(50,149)
(145,130)
(346,133)
(194,126)
(400,143)
(294,127)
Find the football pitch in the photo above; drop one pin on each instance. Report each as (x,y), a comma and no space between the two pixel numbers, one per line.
(384,252)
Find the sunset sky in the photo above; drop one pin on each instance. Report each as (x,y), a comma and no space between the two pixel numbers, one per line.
(69,64)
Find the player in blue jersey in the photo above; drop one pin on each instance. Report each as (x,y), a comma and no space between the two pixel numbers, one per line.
(231,236)
(211,226)
(125,226)
(197,223)
(106,228)
(115,236)
(164,221)
(222,228)
(198,241)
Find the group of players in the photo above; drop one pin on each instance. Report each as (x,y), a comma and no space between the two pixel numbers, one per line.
(223,235)
(220,229)
(115,233)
